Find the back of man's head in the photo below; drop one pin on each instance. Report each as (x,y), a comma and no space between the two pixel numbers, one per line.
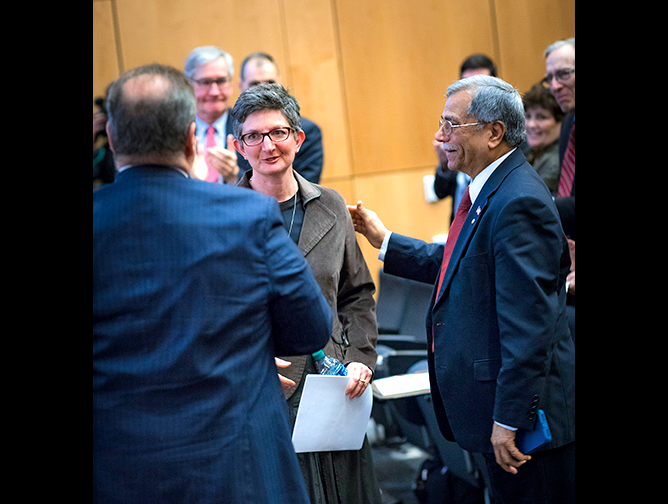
(150,110)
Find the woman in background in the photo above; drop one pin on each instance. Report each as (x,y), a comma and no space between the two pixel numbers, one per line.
(543,123)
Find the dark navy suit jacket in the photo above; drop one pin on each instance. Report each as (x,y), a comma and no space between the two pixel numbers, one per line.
(502,347)
(196,287)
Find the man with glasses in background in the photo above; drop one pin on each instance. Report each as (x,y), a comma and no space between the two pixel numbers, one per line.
(210,70)
(560,80)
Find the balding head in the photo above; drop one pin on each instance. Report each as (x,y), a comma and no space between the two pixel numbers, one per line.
(151,110)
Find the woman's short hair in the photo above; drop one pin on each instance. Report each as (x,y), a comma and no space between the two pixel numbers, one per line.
(538,96)
(265,97)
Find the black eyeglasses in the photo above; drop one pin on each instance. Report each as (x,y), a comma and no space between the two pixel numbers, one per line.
(256,138)
(562,75)
(207,82)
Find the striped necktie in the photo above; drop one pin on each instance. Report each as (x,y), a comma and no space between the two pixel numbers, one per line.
(568,167)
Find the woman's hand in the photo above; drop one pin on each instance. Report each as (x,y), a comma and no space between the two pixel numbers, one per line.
(360,376)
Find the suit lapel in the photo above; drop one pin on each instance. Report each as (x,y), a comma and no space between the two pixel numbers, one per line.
(476,214)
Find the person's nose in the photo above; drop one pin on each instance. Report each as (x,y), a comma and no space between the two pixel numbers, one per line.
(555,85)
(267,143)
(441,136)
(214,89)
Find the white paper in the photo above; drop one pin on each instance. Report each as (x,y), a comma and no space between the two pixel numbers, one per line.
(327,420)
(404,385)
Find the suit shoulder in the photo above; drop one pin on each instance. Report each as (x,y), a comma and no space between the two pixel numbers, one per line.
(333,201)
(525,181)
(331,195)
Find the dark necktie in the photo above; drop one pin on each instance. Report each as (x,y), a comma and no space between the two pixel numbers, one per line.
(455,228)
(568,167)
(457,224)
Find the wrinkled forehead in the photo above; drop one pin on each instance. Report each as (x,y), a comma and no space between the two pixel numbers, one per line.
(564,57)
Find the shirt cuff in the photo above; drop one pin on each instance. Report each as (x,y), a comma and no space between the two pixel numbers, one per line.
(505,426)
(383,247)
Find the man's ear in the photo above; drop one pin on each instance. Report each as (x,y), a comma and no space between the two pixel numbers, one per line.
(108,130)
(191,144)
(498,131)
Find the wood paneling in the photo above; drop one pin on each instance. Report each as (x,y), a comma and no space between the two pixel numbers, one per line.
(526,28)
(398,199)
(398,59)
(105,62)
(167,30)
(315,80)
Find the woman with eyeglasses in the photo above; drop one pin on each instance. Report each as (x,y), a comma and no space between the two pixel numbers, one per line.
(267,131)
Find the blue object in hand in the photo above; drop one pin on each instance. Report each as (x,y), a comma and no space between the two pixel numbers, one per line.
(327,365)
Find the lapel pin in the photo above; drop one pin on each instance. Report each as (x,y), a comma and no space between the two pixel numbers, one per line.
(477,212)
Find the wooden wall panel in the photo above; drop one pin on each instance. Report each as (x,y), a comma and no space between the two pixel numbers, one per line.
(526,28)
(315,79)
(165,31)
(398,59)
(105,62)
(398,199)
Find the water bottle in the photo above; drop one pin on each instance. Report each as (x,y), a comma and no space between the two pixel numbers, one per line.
(328,365)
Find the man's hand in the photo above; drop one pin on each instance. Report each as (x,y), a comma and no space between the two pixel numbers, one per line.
(224,161)
(507,454)
(286,383)
(366,222)
(360,376)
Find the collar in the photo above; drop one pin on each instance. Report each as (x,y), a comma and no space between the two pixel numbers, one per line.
(307,190)
(477,183)
(219,124)
(172,167)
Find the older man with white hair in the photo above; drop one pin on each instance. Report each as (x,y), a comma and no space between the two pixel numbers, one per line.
(210,70)
(501,359)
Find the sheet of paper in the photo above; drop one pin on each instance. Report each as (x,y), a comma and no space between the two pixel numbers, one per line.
(327,420)
(405,385)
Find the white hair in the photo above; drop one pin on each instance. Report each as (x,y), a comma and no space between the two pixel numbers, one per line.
(558,45)
(494,100)
(205,55)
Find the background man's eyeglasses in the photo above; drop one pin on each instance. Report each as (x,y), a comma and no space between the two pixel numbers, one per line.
(206,82)
(562,75)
